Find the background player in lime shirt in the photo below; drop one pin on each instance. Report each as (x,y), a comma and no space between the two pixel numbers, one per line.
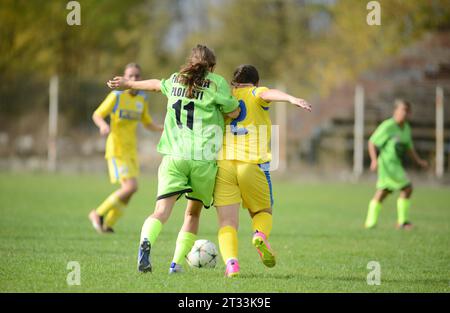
(192,136)
(125,109)
(243,174)
(391,141)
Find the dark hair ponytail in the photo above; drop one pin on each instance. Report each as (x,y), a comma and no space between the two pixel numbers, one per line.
(193,73)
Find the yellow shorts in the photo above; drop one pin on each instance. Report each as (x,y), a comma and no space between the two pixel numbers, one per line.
(122,168)
(248,183)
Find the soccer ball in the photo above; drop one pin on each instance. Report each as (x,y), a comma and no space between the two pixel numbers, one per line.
(203,254)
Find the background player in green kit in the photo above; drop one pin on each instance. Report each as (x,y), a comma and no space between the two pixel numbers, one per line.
(387,147)
(192,136)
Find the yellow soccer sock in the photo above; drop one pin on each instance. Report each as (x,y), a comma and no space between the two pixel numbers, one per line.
(262,222)
(112,201)
(228,243)
(112,216)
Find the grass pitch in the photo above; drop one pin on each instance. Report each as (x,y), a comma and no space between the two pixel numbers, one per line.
(318,236)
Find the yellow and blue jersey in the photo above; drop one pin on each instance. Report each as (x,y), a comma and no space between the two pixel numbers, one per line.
(125,111)
(247,137)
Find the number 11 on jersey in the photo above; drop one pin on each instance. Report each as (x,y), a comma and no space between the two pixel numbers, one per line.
(190,113)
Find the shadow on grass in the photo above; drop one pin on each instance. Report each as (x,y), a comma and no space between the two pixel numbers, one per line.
(269,276)
(362,279)
(353,279)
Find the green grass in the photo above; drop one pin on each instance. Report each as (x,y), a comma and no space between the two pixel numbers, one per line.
(317,234)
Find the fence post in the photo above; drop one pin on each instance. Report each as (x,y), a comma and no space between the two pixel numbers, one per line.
(52,124)
(439,132)
(358,132)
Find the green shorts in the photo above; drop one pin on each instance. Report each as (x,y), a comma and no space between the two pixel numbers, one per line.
(391,176)
(179,176)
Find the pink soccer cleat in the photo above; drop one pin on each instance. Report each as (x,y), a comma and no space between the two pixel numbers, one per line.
(262,246)
(232,268)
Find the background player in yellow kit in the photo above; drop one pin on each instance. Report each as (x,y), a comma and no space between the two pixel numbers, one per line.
(125,109)
(243,174)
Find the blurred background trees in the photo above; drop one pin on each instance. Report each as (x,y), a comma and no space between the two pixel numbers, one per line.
(308,46)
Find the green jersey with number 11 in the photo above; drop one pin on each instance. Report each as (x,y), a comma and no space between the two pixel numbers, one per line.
(193,127)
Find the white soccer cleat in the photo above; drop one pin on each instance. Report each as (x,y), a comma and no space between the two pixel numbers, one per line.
(175,268)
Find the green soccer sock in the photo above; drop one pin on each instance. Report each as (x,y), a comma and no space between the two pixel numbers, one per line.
(185,241)
(151,229)
(372,213)
(403,205)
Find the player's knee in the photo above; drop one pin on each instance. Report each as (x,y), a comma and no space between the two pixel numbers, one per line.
(130,188)
(160,215)
(407,192)
(381,195)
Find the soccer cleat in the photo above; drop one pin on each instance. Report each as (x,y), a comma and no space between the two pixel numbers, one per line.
(262,246)
(97,221)
(405,225)
(366,226)
(232,269)
(144,264)
(108,230)
(175,268)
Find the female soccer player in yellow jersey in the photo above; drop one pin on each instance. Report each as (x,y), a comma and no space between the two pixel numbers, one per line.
(243,174)
(197,98)
(125,109)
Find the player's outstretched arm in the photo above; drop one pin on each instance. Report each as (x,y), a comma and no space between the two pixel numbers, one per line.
(154,127)
(413,154)
(121,83)
(280,96)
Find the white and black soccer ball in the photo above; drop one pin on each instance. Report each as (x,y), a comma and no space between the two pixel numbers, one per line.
(203,254)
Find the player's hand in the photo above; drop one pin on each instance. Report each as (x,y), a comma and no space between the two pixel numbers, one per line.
(234,114)
(373,165)
(301,104)
(119,83)
(104,130)
(422,163)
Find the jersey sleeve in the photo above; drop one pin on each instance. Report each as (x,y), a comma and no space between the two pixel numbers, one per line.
(256,93)
(146,118)
(224,98)
(166,85)
(380,135)
(107,106)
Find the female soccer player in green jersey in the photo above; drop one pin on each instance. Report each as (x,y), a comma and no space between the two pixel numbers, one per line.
(387,147)
(126,110)
(192,136)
